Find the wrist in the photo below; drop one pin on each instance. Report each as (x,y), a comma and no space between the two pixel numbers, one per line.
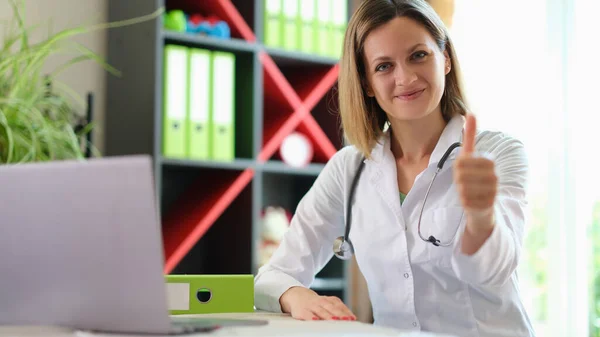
(481,221)
(291,296)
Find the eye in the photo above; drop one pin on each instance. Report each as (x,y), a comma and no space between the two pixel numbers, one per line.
(382,67)
(419,55)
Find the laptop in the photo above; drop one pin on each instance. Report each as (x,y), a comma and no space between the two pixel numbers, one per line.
(81,247)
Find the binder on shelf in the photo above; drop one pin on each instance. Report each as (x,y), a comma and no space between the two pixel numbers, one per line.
(273,23)
(291,24)
(308,26)
(323,27)
(339,14)
(175,92)
(200,78)
(223,106)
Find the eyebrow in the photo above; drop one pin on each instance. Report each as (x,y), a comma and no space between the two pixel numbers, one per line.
(409,50)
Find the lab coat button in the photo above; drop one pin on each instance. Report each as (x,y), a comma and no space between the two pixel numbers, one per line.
(415,324)
(406,275)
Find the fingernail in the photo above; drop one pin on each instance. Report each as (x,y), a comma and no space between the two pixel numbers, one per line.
(345,318)
(335,318)
(315,318)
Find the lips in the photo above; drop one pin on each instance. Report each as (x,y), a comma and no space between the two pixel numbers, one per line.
(410,95)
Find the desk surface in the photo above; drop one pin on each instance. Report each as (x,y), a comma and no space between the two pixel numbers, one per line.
(279,325)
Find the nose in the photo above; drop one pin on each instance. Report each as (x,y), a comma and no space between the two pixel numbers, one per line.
(404,75)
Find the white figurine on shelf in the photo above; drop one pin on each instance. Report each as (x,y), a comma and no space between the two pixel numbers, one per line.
(275,222)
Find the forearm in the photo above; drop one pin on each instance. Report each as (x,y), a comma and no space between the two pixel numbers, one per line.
(489,256)
(478,229)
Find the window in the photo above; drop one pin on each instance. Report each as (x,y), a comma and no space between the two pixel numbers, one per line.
(532,70)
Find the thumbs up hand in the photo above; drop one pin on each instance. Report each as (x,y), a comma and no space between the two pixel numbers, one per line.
(476,181)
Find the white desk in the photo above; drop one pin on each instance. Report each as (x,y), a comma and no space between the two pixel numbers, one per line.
(279,325)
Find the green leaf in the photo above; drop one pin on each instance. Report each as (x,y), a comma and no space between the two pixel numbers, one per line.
(38,121)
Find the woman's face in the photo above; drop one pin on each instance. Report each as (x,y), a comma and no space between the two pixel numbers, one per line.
(405,70)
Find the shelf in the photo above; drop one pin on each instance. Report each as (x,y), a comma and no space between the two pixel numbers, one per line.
(273,166)
(285,190)
(238,164)
(232,45)
(210,210)
(305,78)
(328,284)
(196,209)
(290,57)
(218,251)
(239,15)
(312,90)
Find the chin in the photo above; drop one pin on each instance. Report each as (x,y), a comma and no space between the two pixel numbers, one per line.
(410,114)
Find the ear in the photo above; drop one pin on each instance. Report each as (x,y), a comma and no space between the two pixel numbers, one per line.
(447,62)
(367,88)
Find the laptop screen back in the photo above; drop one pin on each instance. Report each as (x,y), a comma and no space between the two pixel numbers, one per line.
(81,246)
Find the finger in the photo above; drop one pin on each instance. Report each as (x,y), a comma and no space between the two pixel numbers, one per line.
(478,201)
(337,313)
(474,162)
(478,204)
(469,139)
(340,306)
(305,315)
(322,312)
(476,190)
(475,177)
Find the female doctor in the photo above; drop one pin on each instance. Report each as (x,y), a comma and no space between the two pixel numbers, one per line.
(438,246)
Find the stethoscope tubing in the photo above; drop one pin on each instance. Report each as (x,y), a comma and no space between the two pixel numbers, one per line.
(346,238)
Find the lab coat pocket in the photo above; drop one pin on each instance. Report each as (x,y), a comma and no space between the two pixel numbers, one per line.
(447,227)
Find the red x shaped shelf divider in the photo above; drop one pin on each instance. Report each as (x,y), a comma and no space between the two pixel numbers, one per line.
(194,217)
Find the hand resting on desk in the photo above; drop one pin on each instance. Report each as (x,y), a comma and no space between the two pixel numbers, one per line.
(305,304)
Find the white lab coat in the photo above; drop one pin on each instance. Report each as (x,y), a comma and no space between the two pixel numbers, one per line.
(412,284)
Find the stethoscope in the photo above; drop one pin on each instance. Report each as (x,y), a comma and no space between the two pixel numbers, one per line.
(342,246)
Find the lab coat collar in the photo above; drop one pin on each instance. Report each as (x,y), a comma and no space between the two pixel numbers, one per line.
(452,133)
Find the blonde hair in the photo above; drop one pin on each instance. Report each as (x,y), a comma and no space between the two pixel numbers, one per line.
(363,120)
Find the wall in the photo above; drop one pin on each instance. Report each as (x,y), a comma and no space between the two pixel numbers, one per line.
(56,15)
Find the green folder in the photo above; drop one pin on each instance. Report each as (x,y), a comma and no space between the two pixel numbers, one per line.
(339,13)
(200,77)
(207,294)
(223,106)
(175,101)
(291,24)
(308,28)
(323,27)
(273,23)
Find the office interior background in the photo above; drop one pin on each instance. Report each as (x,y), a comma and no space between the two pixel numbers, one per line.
(530,67)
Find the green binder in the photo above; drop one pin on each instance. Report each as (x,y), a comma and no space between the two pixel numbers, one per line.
(200,77)
(207,294)
(308,26)
(323,27)
(291,24)
(339,11)
(273,23)
(223,106)
(175,101)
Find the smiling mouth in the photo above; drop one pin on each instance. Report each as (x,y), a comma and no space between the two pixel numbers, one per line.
(410,96)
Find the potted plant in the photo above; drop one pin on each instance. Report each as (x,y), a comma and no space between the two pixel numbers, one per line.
(39,118)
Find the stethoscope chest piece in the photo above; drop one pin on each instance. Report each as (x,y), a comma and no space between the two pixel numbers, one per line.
(343,248)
